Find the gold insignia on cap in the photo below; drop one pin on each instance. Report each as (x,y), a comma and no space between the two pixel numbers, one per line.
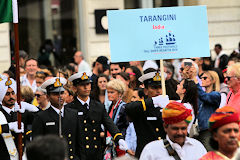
(157,77)
(9,82)
(0,79)
(57,83)
(84,76)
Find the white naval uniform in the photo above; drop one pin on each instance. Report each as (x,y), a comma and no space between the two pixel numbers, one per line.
(7,137)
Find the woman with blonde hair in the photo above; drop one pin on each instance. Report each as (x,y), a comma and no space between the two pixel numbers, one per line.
(115,90)
(209,101)
(27,94)
(215,81)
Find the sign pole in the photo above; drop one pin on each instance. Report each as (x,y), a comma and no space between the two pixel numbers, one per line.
(162,78)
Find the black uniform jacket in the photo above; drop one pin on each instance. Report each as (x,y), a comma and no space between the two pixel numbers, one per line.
(90,123)
(47,122)
(147,122)
(27,118)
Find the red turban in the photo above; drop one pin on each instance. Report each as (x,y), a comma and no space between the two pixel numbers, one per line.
(176,112)
(223,116)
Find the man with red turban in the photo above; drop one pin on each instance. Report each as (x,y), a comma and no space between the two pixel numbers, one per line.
(177,145)
(224,126)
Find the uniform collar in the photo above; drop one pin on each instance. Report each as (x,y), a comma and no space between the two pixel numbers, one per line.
(57,110)
(8,110)
(82,102)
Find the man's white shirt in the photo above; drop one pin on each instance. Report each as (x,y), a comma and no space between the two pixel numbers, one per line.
(25,82)
(84,67)
(191,150)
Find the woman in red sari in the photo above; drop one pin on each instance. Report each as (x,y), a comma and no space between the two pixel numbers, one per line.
(224,127)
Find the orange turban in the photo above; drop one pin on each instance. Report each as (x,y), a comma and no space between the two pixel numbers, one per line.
(176,112)
(223,116)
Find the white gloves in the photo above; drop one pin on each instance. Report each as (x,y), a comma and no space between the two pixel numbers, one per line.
(13,126)
(160,101)
(25,106)
(122,145)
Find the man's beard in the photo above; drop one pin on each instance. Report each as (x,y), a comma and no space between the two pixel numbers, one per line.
(99,71)
(114,75)
(9,104)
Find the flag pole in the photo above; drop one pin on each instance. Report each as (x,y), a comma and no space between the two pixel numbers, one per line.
(16,50)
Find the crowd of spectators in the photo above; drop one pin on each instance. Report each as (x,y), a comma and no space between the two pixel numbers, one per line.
(199,83)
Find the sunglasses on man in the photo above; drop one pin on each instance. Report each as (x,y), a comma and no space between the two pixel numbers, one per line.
(229,77)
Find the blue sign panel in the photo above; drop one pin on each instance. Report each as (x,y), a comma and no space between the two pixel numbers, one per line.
(158,33)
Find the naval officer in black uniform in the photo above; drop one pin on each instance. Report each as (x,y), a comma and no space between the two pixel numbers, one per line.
(92,115)
(145,114)
(57,119)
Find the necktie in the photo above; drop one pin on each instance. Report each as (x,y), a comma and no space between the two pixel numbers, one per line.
(12,116)
(11,113)
(86,106)
(61,113)
(60,123)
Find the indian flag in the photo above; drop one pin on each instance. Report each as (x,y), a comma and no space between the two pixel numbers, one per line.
(8,11)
